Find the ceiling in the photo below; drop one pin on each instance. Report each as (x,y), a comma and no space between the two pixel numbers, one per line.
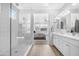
(53,8)
(40,5)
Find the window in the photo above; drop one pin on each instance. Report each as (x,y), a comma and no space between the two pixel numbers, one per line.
(13,14)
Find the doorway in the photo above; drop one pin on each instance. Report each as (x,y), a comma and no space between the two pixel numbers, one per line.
(41,30)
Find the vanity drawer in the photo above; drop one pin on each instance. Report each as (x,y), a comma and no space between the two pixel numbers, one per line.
(71,41)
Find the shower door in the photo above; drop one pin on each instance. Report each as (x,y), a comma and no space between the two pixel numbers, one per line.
(4,29)
(21,31)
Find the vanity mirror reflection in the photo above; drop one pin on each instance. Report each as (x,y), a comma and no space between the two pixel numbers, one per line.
(63,23)
(70,23)
(60,24)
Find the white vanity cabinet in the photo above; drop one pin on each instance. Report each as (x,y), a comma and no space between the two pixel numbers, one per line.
(58,43)
(74,46)
(67,46)
(74,51)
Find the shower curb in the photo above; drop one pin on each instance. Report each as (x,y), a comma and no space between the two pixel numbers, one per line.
(28,50)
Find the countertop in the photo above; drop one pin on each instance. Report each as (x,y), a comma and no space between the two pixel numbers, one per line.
(69,35)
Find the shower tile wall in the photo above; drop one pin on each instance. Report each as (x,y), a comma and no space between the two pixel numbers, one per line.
(19,44)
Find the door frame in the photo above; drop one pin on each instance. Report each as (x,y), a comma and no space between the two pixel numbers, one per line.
(47,39)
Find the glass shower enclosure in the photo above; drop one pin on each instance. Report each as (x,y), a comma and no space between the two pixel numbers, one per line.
(16,32)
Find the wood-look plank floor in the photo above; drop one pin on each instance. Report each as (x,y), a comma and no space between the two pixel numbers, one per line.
(43,50)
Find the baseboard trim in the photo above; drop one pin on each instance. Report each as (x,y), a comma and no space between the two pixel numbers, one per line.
(58,50)
(28,50)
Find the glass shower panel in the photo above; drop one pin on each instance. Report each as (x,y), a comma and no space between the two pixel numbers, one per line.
(4,29)
(21,34)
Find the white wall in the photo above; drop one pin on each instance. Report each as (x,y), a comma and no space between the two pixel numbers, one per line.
(68,22)
(26,35)
(52,15)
